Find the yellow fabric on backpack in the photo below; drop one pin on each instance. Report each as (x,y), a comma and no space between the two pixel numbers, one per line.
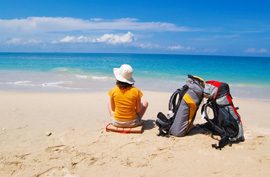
(192,109)
(200,79)
(125,102)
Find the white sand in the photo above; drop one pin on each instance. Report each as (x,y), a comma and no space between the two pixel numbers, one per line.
(80,146)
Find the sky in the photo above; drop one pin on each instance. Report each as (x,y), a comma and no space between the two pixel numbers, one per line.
(196,27)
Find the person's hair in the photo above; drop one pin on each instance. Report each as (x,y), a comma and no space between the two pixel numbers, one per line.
(123,85)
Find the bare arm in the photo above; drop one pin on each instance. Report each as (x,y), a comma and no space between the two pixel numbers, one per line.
(112,105)
(138,106)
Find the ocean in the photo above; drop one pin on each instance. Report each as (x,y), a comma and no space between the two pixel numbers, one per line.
(248,77)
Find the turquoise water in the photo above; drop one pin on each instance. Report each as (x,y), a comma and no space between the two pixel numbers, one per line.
(249,77)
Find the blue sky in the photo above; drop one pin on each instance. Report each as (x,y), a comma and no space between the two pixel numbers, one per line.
(240,28)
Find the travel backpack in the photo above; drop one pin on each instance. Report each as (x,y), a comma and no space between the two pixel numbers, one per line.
(226,121)
(183,106)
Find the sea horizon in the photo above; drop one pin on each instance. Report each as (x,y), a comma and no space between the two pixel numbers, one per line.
(247,76)
(139,53)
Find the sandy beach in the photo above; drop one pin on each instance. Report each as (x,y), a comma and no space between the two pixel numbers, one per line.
(63,134)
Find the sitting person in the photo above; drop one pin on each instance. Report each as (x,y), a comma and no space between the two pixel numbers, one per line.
(125,107)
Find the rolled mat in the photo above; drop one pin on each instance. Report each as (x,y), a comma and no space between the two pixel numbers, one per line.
(112,128)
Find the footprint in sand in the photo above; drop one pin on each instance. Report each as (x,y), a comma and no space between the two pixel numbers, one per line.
(265,160)
(55,171)
(22,156)
(22,127)
(55,148)
(260,139)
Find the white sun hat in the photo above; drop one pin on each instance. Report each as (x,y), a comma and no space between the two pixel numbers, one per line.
(124,74)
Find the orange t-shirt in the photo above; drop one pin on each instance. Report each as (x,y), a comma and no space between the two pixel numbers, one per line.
(125,102)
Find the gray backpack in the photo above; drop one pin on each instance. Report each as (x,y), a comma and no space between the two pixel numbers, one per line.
(183,106)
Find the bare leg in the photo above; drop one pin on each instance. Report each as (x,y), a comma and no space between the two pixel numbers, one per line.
(144,106)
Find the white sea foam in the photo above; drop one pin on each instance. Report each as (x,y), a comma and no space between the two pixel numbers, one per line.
(56,84)
(82,76)
(26,83)
(93,77)
(101,78)
(22,82)
(62,85)
(247,85)
(61,69)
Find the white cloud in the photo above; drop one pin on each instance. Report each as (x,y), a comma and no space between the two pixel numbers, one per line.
(148,46)
(250,50)
(96,19)
(14,41)
(253,50)
(32,42)
(106,38)
(207,50)
(179,47)
(65,30)
(68,39)
(18,41)
(226,36)
(116,39)
(73,39)
(263,50)
(84,39)
(126,20)
(61,24)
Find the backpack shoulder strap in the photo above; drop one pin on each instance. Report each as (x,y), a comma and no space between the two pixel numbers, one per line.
(180,93)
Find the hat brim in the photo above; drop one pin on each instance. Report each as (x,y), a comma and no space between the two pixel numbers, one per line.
(118,76)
